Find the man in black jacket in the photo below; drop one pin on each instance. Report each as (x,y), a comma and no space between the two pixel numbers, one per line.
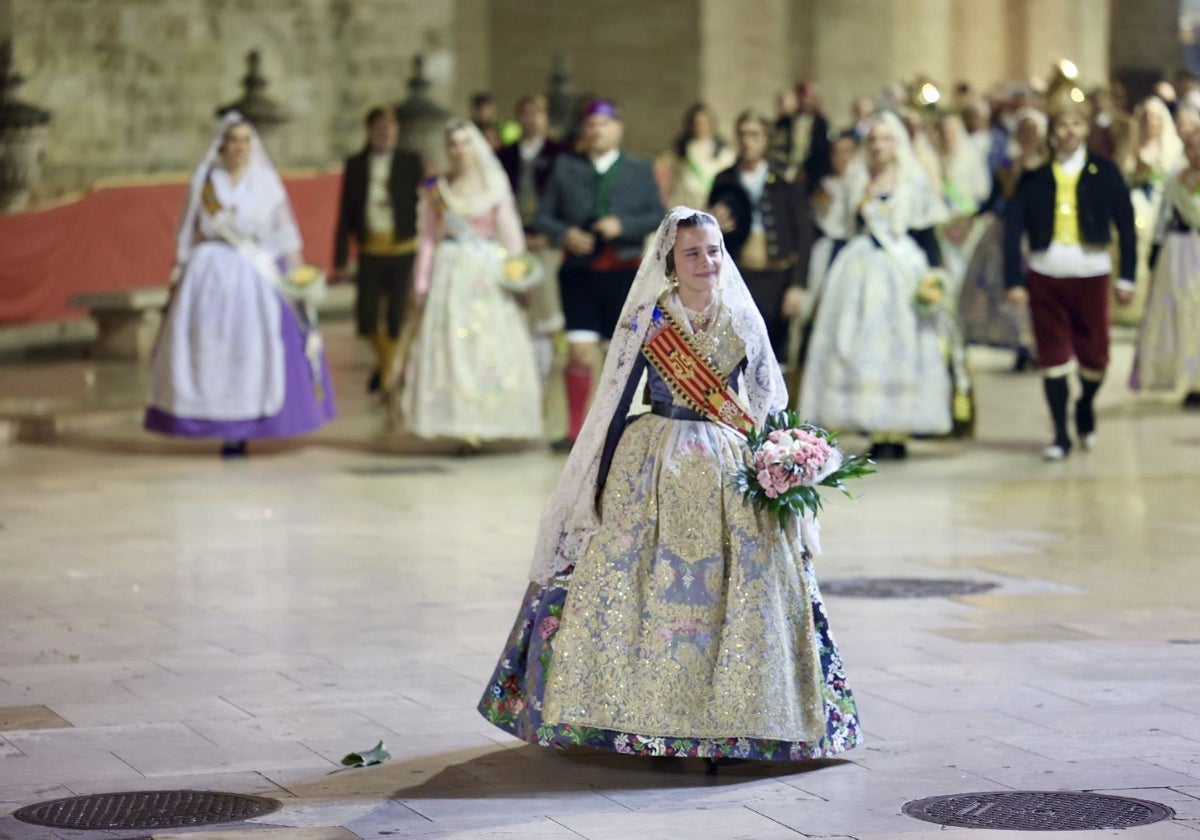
(1067,208)
(768,229)
(800,136)
(378,210)
(528,163)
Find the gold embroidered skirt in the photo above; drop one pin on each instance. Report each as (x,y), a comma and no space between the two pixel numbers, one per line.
(692,625)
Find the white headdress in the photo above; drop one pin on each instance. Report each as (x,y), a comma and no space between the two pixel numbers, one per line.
(496,186)
(265,184)
(914,205)
(570,517)
(1170,148)
(964,167)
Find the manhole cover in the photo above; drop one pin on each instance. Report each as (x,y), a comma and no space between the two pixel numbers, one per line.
(380,470)
(146,809)
(1034,810)
(902,587)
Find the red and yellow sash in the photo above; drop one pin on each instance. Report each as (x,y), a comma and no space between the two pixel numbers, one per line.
(208,196)
(692,377)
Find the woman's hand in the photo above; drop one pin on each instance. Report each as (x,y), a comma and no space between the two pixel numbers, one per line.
(1017,296)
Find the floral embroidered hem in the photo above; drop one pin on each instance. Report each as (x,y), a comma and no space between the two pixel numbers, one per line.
(513,699)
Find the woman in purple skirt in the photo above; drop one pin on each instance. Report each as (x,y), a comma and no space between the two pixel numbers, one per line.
(237,358)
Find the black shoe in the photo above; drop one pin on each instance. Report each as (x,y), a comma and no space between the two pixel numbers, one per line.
(899,451)
(1085,424)
(562,447)
(233,449)
(374,383)
(880,451)
(1023,361)
(1191,399)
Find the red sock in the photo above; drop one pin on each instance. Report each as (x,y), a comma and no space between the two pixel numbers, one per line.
(579,386)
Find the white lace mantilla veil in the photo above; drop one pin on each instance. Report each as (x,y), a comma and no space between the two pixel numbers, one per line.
(570,517)
(268,188)
(496,187)
(912,203)
(1170,147)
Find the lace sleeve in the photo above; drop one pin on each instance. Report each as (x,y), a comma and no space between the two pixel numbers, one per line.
(423,270)
(508,226)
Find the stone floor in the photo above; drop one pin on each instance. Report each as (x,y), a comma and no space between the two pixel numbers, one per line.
(170,620)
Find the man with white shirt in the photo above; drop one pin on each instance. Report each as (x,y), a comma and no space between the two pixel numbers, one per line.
(1067,209)
(378,212)
(768,229)
(599,206)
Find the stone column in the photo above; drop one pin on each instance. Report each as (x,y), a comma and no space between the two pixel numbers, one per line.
(1145,45)
(858,46)
(263,112)
(745,56)
(643,53)
(423,120)
(472,52)
(22,138)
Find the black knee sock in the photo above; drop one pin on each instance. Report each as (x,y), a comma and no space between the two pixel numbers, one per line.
(1056,391)
(1085,414)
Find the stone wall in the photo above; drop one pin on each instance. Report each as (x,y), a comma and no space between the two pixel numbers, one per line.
(645,54)
(133,83)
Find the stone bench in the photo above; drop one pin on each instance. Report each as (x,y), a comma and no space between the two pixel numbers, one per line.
(126,321)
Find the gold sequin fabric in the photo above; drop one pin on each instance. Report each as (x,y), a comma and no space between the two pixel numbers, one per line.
(690,614)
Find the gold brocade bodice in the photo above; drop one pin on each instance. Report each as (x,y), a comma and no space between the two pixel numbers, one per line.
(719,342)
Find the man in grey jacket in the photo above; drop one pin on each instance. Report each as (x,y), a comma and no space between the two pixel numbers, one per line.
(599,206)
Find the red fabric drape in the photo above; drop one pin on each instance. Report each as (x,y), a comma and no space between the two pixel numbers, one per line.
(122,238)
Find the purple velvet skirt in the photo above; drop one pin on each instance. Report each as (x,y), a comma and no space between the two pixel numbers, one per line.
(305,406)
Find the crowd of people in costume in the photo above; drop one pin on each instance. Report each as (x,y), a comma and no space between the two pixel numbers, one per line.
(841,274)
(1024,217)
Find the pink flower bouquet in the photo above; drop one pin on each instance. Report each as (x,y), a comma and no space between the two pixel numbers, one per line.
(789,460)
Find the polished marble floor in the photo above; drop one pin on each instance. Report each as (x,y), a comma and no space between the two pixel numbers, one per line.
(170,620)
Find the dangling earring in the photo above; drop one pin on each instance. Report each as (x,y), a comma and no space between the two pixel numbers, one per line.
(672,280)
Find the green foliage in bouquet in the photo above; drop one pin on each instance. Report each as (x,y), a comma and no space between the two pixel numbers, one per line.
(789,461)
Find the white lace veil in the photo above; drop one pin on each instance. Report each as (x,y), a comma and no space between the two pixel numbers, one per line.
(496,187)
(1170,158)
(913,205)
(570,517)
(964,165)
(266,184)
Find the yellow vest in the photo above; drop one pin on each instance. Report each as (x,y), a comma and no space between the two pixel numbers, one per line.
(384,244)
(1066,205)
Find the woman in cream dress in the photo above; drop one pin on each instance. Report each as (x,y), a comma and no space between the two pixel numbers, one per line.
(472,375)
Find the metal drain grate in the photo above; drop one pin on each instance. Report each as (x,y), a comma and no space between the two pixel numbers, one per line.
(903,587)
(146,809)
(1034,810)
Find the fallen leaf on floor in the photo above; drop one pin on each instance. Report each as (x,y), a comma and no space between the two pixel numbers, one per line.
(376,755)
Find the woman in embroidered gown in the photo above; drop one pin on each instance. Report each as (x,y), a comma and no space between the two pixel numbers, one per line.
(1157,157)
(666,617)
(472,374)
(235,359)
(699,155)
(875,362)
(1168,348)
